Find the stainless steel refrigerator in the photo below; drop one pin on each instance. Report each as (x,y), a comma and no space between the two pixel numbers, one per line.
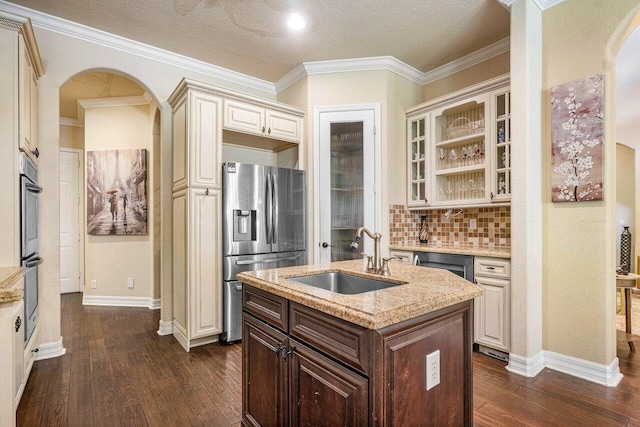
(264,221)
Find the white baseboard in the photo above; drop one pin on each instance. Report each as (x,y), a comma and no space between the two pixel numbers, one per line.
(115,301)
(526,366)
(165,328)
(50,350)
(595,372)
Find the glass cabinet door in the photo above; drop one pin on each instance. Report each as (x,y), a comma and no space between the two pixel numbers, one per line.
(501,189)
(347,188)
(418,162)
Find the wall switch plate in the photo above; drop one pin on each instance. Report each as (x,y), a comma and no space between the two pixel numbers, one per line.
(94,284)
(130,282)
(472,224)
(622,222)
(433,369)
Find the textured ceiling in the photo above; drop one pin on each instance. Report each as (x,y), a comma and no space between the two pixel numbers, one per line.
(250,36)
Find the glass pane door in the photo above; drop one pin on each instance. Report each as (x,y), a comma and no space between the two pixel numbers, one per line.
(347,196)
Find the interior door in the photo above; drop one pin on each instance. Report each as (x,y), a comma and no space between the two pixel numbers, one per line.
(346,182)
(69,222)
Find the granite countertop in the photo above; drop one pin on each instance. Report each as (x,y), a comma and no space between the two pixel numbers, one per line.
(8,277)
(496,251)
(422,290)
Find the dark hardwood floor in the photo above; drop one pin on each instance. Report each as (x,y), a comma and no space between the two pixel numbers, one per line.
(119,372)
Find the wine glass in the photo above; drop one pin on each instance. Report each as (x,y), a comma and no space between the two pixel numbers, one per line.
(481,188)
(441,156)
(453,156)
(472,186)
(449,189)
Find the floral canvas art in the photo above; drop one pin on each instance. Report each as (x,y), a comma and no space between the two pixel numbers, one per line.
(576,140)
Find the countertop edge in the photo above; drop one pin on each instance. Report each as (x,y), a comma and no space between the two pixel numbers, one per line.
(9,276)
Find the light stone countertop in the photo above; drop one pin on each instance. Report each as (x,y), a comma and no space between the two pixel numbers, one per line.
(497,251)
(423,290)
(8,278)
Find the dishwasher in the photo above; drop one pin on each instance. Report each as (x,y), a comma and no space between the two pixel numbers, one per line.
(462,265)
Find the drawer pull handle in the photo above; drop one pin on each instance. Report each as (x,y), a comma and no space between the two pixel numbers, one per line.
(491,268)
(279,348)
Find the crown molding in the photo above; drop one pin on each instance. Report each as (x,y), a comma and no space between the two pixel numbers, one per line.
(115,101)
(68,121)
(542,4)
(102,38)
(480,55)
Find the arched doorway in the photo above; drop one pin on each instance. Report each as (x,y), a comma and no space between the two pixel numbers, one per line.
(108,112)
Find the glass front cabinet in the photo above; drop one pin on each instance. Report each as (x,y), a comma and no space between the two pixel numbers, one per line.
(459,153)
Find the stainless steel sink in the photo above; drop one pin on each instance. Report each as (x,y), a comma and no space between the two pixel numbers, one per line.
(343,283)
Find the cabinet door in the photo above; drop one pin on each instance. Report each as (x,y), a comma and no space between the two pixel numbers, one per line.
(205,140)
(205,259)
(283,126)
(264,377)
(501,145)
(244,117)
(180,167)
(323,390)
(18,357)
(417,163)
(180,256)
(492,314)
(28,104)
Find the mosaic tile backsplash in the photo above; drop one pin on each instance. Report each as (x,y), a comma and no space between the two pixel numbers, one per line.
(493,226)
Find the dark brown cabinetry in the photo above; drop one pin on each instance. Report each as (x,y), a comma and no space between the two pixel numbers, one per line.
(305,367)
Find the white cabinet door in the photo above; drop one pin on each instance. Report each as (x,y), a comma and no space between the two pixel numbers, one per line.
(244,117)
(28,104)
(283,126)
(17,321)
(492,313)
(180,256)
(205,273)
(205,140)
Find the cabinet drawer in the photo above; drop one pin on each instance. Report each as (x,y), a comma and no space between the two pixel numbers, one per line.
(345,341)
(265,306)
(492,267)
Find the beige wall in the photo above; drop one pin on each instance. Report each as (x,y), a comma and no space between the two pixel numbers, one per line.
(72,137)
(578,238)
(111,260)
(393,93)
(479,73)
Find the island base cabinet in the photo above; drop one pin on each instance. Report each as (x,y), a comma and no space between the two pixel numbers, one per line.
(405,370)
(324,392)
(305,367)
(264,375)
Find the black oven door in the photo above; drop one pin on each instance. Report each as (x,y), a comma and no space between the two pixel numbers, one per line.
(29,217)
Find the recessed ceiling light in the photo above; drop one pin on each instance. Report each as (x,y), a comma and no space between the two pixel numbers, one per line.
(296,21)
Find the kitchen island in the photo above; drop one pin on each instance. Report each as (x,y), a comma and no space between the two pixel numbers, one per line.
(395,356)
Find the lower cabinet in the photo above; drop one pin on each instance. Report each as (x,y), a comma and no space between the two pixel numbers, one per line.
(12,375)
(305,367)
(492,311)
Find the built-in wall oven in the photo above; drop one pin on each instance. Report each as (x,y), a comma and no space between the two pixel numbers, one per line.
(29,240)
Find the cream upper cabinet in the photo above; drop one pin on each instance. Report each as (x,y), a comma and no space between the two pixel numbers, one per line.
(28,103)
(197,136)
(260,120)
(454,153)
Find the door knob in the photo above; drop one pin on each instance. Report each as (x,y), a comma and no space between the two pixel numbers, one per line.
(326,245)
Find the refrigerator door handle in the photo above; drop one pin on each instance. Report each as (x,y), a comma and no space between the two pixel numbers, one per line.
(267,261)
(274,226)
(268,209)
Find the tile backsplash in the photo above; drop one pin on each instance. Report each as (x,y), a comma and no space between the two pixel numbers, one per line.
(493,226)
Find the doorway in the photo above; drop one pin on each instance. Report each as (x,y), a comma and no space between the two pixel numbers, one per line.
(71,245)
(346,176)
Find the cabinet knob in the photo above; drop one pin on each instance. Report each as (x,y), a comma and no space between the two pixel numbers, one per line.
(262,129)
(18,323)
(36,153)
(279,348)
(492,196)
(269,131)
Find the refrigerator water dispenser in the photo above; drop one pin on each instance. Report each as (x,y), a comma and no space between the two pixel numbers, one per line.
(244,225)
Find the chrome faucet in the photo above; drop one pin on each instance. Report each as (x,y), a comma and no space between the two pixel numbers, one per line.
(378,267)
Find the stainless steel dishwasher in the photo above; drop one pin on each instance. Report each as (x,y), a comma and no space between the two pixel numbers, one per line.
(462,265)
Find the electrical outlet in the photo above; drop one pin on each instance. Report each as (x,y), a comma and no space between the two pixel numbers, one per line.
(621,222)
(94,284)
(130,282)
(472,224)
(433,369)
